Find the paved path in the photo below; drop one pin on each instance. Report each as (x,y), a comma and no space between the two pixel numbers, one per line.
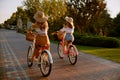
(13,48)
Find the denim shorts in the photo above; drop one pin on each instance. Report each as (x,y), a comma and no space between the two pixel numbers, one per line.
(69,37)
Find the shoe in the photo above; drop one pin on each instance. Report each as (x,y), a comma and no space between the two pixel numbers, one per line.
(36,59)
(45,57)
(30,59)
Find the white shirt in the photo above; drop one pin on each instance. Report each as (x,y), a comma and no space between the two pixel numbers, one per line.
(68,30)
(41,31)
(44,31)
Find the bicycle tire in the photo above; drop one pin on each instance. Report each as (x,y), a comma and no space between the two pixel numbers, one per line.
(60,50)
(29,62)
(44,64)
(72,55)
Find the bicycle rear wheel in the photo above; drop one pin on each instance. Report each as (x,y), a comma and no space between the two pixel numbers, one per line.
(45,64)
(72,54)
(60,50)
(29,56)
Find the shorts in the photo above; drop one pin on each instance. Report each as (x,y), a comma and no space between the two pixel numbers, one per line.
(69,37)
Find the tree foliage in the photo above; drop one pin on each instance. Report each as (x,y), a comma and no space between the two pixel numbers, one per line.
(102,25)
(85,12)
(90,16)
(115,29)
(31,6)
(56,11)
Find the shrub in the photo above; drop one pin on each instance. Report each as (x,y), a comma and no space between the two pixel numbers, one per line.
(109,42)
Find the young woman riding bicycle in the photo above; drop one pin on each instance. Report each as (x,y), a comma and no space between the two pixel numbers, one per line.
(39,50)
(65,46)
(68,29)
(41,27)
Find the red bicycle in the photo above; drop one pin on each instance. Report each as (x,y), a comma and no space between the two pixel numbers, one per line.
(70,50)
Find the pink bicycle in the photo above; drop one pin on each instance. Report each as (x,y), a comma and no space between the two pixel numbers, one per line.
(71,50)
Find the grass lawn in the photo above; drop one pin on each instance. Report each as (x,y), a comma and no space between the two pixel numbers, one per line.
(112,54)
(107,53)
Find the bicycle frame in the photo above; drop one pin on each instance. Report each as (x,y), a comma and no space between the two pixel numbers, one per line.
(63,44)
(51,60)
(33,44)
(67,47)
(41,48)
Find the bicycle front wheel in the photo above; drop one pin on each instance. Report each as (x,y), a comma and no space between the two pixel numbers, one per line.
(72,54)
(45,64)
(60,50)
(29,56)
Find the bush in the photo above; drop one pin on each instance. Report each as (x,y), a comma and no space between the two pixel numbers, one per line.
(109,42)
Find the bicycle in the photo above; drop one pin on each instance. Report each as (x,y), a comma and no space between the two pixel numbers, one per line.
(71,50)
(44,58)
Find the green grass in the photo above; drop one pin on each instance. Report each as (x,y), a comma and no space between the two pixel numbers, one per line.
(107,53)
(112,54)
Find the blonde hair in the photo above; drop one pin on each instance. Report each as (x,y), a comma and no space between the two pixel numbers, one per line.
(44,26)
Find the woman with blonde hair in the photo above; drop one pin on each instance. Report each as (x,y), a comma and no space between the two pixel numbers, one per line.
(68,29)
(41,27)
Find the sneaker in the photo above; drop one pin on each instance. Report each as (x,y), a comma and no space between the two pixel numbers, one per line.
(30,59)
(36,59)
(45,57)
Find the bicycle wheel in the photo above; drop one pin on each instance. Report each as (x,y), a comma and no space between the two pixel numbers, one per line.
(45,64)
(60,50)
(29,55)
(72,54)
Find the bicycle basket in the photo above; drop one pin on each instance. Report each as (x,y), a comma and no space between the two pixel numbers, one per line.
(29,36)
(60,35)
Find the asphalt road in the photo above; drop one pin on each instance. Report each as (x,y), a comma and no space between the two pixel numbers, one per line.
(13,50)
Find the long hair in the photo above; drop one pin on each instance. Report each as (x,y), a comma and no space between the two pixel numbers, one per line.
(44,25)
(70,25)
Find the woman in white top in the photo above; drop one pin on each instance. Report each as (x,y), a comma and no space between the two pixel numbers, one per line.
(68,28)
(41,27)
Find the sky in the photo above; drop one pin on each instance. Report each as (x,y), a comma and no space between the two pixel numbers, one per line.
(113,7)
(7,7)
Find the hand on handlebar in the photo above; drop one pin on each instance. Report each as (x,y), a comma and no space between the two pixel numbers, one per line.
(53,33)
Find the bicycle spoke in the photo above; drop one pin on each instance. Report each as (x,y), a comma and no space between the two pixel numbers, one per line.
(72,55)
(60,51)
(45,66)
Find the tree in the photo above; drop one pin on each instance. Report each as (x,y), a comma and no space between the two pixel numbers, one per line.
(85,12)
(102,25)
(55,10)
(13,19)
(31,6)
(115,31)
